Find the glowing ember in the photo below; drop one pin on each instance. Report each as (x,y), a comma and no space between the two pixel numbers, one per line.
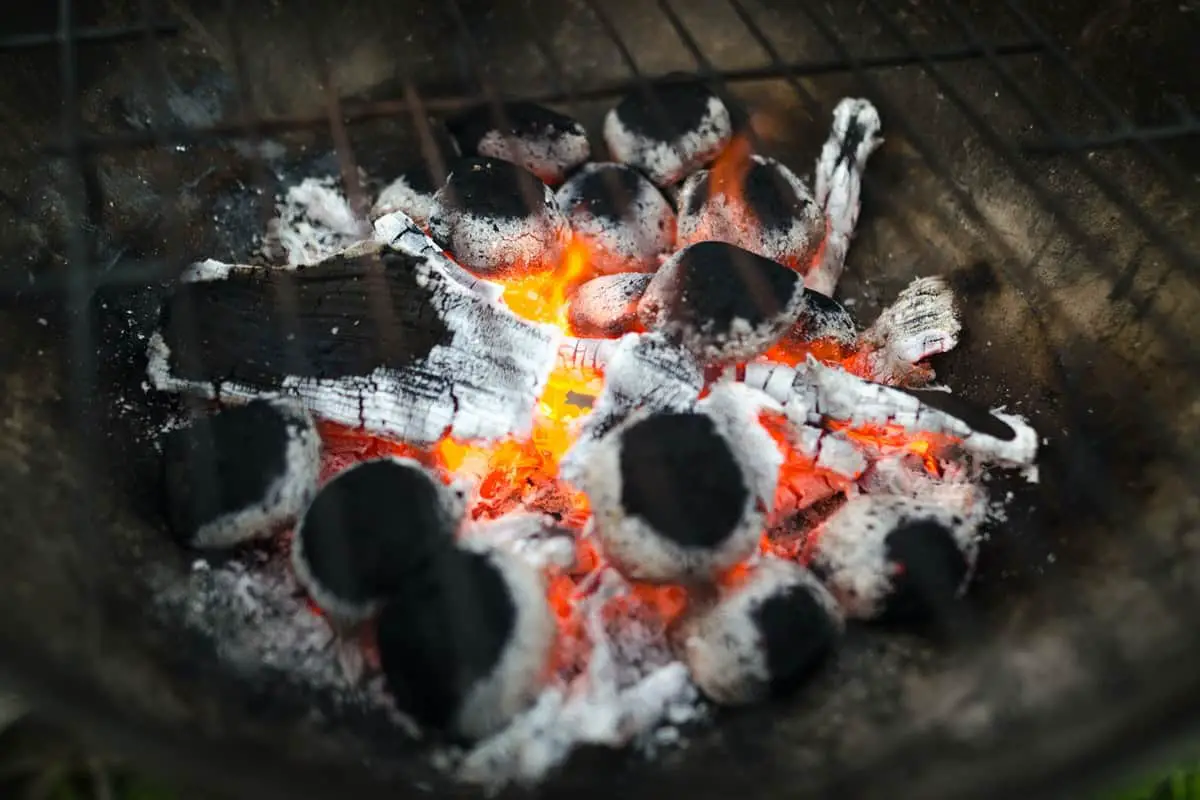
(543,297)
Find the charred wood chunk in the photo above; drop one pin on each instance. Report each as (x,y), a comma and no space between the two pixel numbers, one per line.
(498,220)
(544,141)
(623,219)
(371,532)
(668,130)
(900,558)
(822,317)
(411,193)
(607,306)
(389,339)
(764,637)
(760,206)
(239,474)
(671,499)
(463,651)
(722,303)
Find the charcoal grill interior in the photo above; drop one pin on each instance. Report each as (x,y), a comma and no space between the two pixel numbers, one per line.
(1043,159)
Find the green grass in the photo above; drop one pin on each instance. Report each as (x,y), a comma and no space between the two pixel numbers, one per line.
(1182,783)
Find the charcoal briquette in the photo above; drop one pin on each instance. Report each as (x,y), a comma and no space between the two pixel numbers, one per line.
(606,307)
(671,497)
(760,206)
(623,219)
(897,559)
(463,651)
(498,220)
(546,142)
(668,130)
(239,474)
(373,530)
(764,637)
(722,303)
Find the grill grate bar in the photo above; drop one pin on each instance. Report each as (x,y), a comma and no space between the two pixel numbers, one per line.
(1121,137)
(362,112)
(116,35)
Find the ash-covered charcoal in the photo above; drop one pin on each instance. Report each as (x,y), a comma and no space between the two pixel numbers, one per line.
(411,193)
(668,130)
(313,221)
(623,219)
(642,372)
(822,317)
(759,205)
(722,303)
(671,498)
(607,306)
(922,322)
(239,474)
(371,532)
(465,651)
(385,340)
(852,139)
(498,220)
(764,637)
(820,392)
(546,142)
(900,558)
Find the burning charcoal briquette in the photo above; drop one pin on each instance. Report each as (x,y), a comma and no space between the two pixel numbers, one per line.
(671,497)
(464,650)
(667,131)
(764,637)
(372,530)
(239,474)
(623,219)
(721,303)
(759,205)
(607,306)
(498,220)
(897,558)
(547,143)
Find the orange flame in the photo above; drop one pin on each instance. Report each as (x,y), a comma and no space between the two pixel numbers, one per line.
(896,438)
(543,297)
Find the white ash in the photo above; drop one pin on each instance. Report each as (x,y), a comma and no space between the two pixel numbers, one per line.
(607,305)
(923,321)
(724,646)
(583,354)
(256,617)
(736,409)
(790,234)
(314,221)
(668,162)
(483,385)
(644,372)
(631,692)
(534,538)
(623,219)
(400,195)
(821,391)
(400,232)
(851,546)
(854,136)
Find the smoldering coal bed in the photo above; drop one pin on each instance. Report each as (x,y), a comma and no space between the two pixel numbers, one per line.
(521,471)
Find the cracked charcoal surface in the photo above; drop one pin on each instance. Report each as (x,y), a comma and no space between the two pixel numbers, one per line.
(680,476)
(374,531)
(436,644)
(932,570)
(797,633)
(607,306)
(223,463)
(546,142)
(624,219)
(350,317)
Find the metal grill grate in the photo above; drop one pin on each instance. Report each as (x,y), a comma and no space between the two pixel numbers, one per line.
(1024,155)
